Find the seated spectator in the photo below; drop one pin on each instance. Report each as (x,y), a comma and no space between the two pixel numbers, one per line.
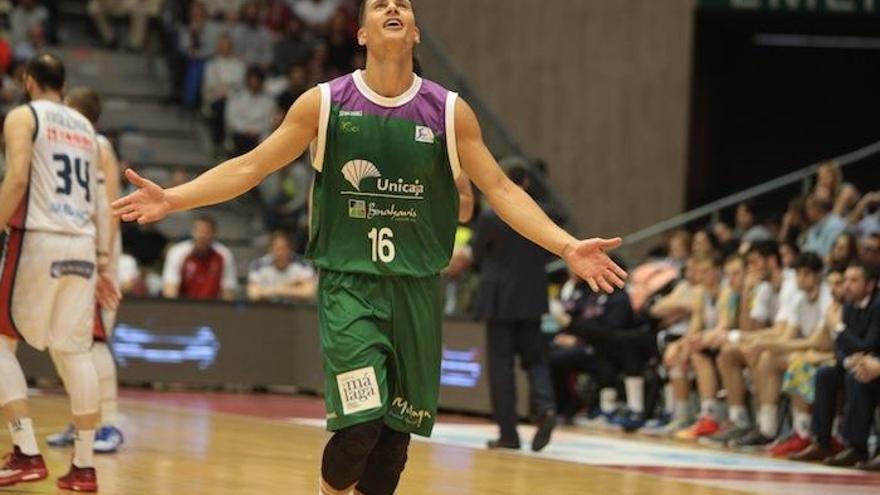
(197,42)
(794,223)
(747,229)
(341,44)
(297,84)
(224,76)
(716,311)
(280,276)
(587,320)
(798,319)
(34,43)
(285,197)
(864,219)
(140,12)
(316,13)
(830,187)
(274,14)
(857,336)
(704,244)
(788,254)
(223,10)
(129,275)
(293,48)
(866,370)
(844,251)
(252,40)
(789,365)
(825,226)
(201,267)
(26,15)
(249,113)
(869,249)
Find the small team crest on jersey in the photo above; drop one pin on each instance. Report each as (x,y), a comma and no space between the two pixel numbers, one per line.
(357,208)
(358,390)
(424,134)
(76,268)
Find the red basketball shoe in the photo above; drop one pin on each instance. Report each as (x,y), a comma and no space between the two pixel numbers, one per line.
(22,468)
(79,480)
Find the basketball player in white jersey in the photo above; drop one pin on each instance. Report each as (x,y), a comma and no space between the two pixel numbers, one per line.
(51,266)
(108,437)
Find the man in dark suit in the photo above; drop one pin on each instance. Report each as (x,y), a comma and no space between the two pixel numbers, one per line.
(858,335)
(512,298)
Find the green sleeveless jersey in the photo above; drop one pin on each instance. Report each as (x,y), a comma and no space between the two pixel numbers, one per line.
(384,199)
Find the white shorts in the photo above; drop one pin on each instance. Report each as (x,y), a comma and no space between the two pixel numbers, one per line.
(47,290)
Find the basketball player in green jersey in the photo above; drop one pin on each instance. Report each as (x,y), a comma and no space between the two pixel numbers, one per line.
(391,153)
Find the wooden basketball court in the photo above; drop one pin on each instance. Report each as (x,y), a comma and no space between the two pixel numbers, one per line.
(172,450)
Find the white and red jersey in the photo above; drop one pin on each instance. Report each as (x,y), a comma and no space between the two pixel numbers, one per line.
(62,188)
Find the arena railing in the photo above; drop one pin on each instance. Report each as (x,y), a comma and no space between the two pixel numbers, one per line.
(713,210)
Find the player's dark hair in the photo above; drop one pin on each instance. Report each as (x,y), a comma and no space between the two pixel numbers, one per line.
(47,70)
(85,101)
(809,261)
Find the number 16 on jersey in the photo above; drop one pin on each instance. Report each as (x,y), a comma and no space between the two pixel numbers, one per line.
(382,244)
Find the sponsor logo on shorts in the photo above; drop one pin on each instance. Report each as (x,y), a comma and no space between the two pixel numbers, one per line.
(358,390)
(76,268)
(402,409)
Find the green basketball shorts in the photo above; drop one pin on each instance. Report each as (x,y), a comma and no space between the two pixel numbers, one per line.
(381,342)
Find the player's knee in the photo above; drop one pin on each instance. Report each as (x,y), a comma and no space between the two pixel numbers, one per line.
(81,381)
(394,448)
(353,444)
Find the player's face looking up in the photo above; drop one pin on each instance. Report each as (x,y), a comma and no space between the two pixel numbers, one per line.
(388,21)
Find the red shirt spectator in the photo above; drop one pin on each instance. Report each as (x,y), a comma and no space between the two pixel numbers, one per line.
(200,268)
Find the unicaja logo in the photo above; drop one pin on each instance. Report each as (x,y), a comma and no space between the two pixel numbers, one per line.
(357,170)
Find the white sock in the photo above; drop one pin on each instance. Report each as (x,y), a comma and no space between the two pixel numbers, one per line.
(84,449)
(22,432)
(768,420)
(739,416)
(837,426)
(681,410)
(802,424)
(608,400)
(708,408)
(109,413)
(635,393)
(669,399)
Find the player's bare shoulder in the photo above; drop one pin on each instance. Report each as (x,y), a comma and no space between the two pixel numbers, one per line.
(21,119)
(305,111)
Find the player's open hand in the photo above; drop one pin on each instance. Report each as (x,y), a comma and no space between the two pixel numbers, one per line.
(106,292)
(147,204)
(590,262)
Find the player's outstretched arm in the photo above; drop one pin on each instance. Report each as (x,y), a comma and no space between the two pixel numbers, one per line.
(231,178)
(18,129)
(587,258)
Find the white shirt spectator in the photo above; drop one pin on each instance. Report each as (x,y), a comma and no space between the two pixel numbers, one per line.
(264,273)
(23,19)
(788,295)
(127,271)
(807,314)
(250,113)
(315,13)
(223,77)
(177,254)
(253,44)
(764,303)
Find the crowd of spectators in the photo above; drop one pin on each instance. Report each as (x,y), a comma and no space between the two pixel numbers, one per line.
(773,326)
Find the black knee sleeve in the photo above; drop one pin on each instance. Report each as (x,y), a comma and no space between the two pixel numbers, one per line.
(346,454)
(386,464)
